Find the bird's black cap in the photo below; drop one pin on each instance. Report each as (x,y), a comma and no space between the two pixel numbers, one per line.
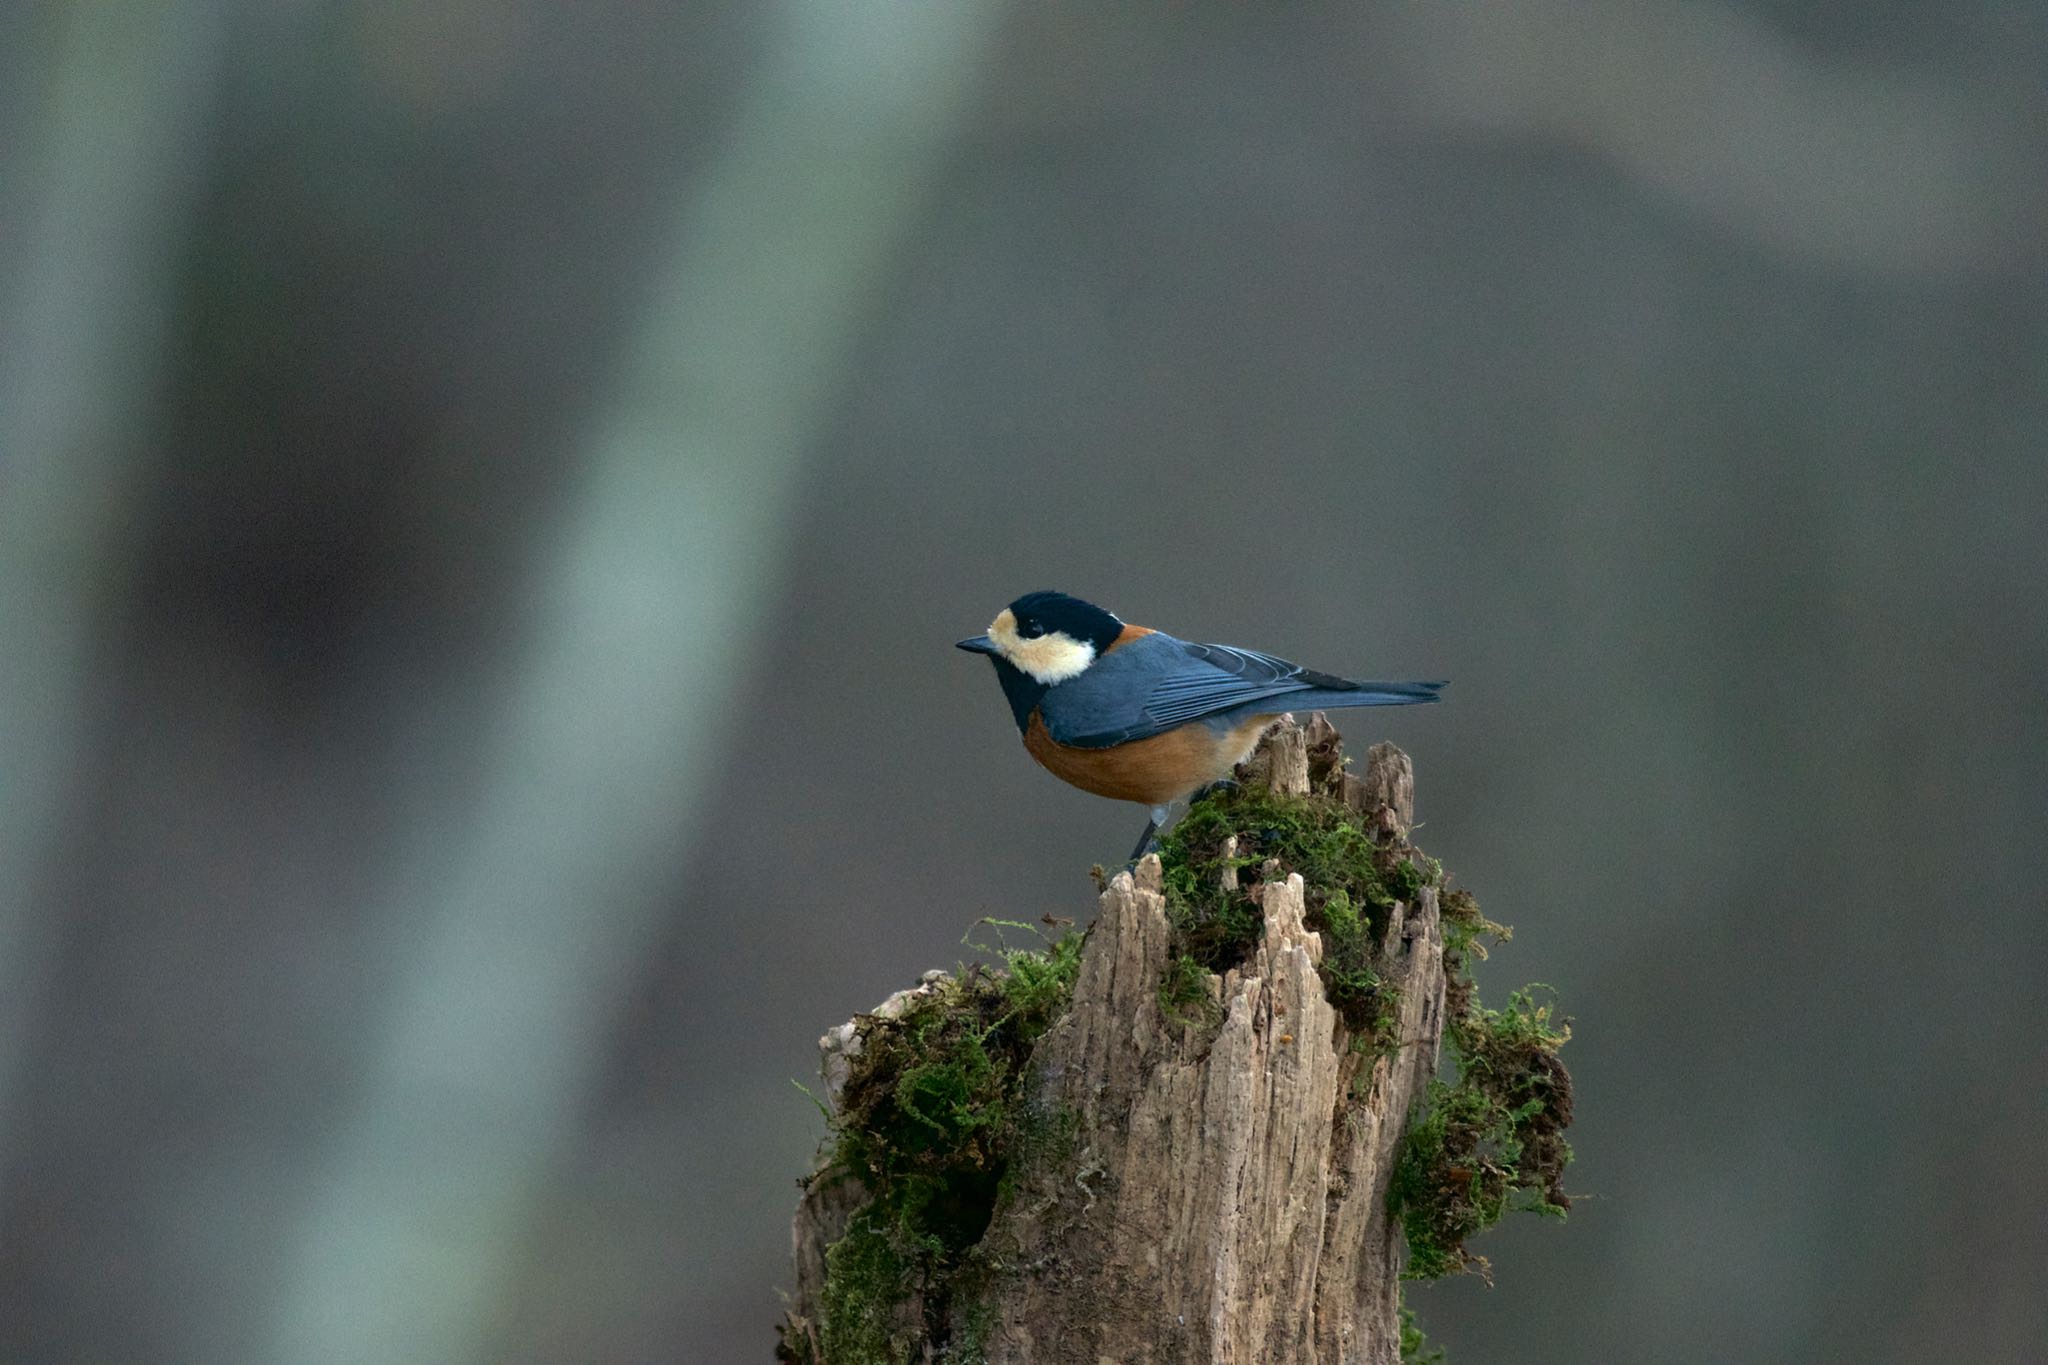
(1041,613)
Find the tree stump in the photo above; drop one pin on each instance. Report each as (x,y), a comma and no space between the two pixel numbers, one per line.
(1216,1186)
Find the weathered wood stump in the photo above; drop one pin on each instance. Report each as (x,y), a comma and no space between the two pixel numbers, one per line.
(1219,1188)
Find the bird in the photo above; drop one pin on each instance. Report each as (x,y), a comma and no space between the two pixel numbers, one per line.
(1135,714)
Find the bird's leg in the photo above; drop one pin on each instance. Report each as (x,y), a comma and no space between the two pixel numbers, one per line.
(1149,840)
(1221,784)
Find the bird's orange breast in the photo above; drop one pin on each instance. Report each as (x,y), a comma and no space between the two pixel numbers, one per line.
(1152,772)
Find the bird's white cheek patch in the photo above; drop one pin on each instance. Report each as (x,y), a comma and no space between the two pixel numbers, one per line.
(1053,658)
(1049,659)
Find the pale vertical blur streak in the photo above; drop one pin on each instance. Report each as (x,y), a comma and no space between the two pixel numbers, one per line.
(510,949)
(100,182)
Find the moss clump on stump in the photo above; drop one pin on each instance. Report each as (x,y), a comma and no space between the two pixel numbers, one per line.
(1491,1142)
(933,1123)
(1350,881)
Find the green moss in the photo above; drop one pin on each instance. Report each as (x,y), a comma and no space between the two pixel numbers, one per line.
(1184,992)
(969,1345)
(1415,1347)
(1466,931)
(1350,884)
(1493,1142)
(1349,981)
(935,1122)
(1039,983)
(864,1281)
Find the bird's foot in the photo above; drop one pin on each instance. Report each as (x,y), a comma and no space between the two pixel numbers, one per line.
(1221,784)
(1148,842)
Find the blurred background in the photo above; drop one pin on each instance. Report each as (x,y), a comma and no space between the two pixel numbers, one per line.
(488,492)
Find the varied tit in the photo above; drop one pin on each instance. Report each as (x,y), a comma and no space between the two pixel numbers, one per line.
(1137,715)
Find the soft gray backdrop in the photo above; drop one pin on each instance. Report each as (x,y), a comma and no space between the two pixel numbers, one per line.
(487,494)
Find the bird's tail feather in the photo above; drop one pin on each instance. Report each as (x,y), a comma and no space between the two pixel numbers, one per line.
(1364,694)
(1380,694)
(1331,699)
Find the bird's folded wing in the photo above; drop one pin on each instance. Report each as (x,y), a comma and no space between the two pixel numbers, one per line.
(1156,682)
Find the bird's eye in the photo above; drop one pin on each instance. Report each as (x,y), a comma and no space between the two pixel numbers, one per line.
(1031,630)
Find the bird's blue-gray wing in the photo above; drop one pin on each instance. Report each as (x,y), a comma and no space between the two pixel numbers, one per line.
(1156,682)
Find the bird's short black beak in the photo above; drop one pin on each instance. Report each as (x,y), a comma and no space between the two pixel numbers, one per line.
(977,644)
